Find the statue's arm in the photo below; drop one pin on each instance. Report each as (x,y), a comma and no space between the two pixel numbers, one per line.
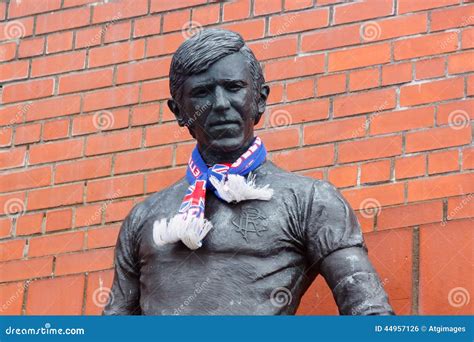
(354,283)
(125,293)
(337,250)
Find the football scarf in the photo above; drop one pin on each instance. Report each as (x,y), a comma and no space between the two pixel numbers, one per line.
(226,181)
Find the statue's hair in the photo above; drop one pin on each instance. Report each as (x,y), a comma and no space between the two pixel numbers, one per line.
(198,53)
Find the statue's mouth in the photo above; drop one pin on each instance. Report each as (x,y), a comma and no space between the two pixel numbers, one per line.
(224,125)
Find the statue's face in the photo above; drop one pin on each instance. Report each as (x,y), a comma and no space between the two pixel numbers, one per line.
(220,105)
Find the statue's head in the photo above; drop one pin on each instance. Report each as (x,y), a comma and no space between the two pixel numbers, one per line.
(218,91)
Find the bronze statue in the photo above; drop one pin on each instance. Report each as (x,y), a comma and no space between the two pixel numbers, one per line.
(237,235)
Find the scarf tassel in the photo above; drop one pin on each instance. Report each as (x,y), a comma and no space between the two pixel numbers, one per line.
(236,189)
(190,230)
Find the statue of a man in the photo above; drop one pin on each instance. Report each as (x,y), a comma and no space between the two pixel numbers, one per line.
(237,235)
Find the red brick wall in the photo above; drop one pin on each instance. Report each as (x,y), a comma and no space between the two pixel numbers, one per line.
(374,96)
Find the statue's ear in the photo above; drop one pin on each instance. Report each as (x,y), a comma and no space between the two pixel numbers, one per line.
(180,116)
(262,102)
(173,106)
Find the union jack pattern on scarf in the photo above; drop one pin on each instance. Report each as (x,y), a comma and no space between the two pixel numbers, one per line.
(220,171)
(193,201)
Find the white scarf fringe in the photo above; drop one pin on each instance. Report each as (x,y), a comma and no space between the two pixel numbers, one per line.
(237,189)
(192,230)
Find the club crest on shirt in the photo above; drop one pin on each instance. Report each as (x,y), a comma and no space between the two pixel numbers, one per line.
(250,221)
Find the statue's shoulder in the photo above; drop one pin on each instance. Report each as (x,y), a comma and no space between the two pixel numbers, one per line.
(303,186)
(288,179)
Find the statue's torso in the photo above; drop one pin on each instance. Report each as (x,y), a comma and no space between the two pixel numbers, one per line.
(259,258)
(252,261)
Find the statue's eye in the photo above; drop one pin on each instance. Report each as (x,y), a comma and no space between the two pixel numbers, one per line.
(200,92)
(234,86)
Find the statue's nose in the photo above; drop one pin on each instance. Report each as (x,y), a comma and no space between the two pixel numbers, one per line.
(221,101)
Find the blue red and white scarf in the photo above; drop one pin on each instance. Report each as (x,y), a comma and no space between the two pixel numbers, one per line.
(226,181)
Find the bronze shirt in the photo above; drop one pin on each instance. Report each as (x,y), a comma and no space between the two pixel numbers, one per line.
(255,249)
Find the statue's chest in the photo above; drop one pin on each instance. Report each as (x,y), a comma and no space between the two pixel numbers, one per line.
(253,228)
